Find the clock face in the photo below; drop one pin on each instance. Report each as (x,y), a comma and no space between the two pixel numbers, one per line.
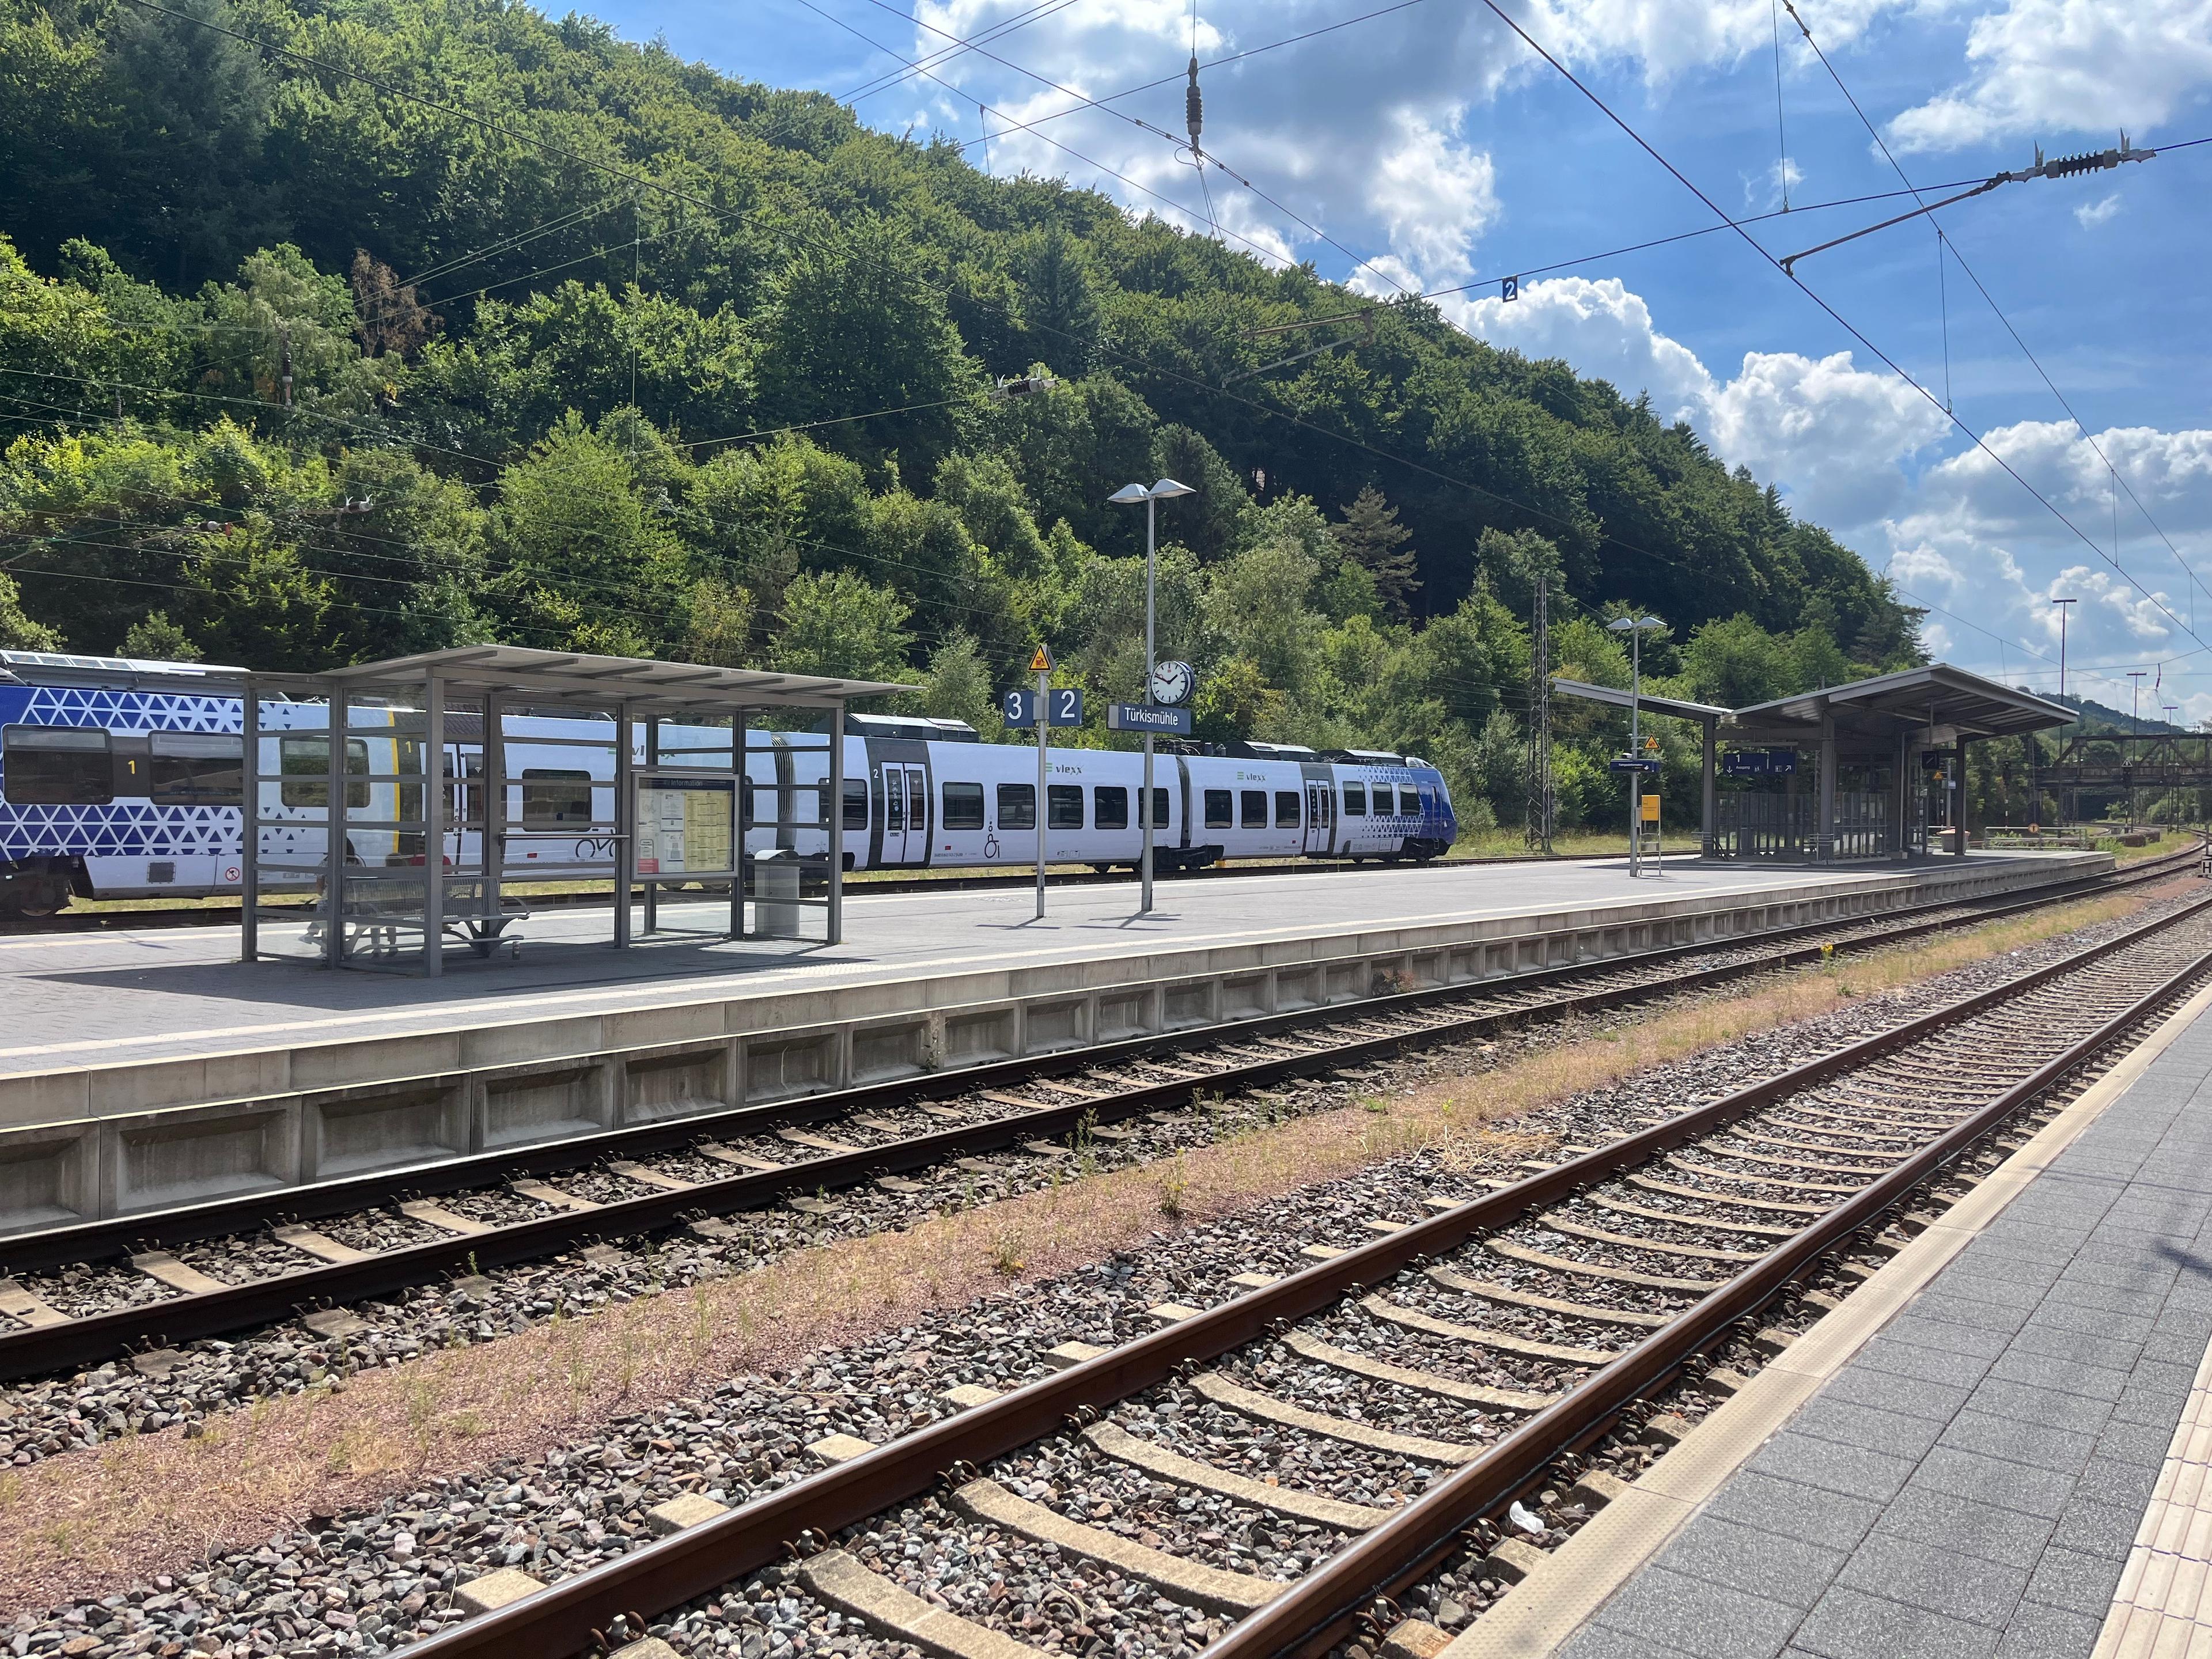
(1172,681)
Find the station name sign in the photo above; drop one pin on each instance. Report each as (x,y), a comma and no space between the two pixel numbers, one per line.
(1148,717)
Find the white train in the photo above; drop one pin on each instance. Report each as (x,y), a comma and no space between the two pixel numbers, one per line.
(124,779)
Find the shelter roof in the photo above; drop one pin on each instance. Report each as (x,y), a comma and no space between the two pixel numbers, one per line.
(1675,706)
(578,677)
(1937,695)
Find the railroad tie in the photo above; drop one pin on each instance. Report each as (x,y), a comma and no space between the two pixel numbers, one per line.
(1621,1206)
(1712,1173)
(741,1160)
(1117,1443)
(553,1196)
(814,1143)
(1507,1295)
(160,1265)
(1559,1224)
(839,1579)
(1779,1208)
(21,1305)
(445,1220)
(1413,1320)
(1211,1588)
(1249,1402)
(321,1246)
(1567,1264)
(1444,1388)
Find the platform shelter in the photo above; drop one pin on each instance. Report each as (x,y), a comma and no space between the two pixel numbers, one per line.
(1869,742)
(393,784)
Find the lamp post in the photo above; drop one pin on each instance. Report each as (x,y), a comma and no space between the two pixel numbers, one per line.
(1129,495)
(1635,628)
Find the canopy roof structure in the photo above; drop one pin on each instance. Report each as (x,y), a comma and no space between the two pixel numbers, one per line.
(1605,693)
(638,683)
(1938,704)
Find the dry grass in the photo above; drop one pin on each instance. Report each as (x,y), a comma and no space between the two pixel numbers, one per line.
(90,1521)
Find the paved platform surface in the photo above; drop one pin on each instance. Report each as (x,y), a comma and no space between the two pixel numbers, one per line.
(137,995)
(1975,1480)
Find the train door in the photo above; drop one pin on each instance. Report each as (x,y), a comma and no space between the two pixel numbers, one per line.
(904,786)
(1321,815)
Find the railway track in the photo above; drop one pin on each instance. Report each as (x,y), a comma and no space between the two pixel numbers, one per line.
(76,1295)
(1477,1378)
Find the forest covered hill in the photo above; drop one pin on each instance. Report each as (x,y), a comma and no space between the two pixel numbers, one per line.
(329,332)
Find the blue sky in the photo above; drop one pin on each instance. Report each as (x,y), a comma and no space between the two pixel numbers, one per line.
(1439,149)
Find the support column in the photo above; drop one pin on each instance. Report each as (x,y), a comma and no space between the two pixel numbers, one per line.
(334,839)
(651,893)
(625,836)
(249,825)
(738,776)
(493,844)
(433,827)
(1708,799)
(1900,762)
(1959,810)
(1827,807)
(836,930)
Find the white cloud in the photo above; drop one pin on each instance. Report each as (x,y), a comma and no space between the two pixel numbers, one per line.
(2090,215)
(2036,66)
(1831,434)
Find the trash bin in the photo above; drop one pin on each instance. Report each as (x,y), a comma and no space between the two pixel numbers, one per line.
(775,894)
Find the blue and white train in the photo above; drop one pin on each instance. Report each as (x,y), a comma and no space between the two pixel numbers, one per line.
(124,779)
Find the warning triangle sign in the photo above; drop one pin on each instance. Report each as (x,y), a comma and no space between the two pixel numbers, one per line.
(1041,662)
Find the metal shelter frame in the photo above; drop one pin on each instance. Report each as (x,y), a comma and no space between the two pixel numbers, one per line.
(1707,715)
(500,679)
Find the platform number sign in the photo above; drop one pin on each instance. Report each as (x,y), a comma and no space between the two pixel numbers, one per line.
(1508,289)
(1063,706)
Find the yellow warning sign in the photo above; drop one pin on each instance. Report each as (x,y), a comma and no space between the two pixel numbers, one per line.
(1041,662)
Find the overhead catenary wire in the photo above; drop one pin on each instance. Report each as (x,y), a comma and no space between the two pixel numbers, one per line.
(2196,582)
(1836,316)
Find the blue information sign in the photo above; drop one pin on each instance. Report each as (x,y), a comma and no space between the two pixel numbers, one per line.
(1019,707)
(1625,764)
(1759,763)
(1148,717)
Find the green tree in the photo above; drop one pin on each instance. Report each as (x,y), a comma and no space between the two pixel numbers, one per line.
(154,638)
(1058,307)
(837,624)
(855,324)
(1371,538)
(18,632)
(958,686)
(720,627)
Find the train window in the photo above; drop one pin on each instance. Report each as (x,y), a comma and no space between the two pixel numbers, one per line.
(1252,807)
(1160,813)
(1220,808)
(963,807)
(1109,807)
(306,765)
(57,766)
(553,798)
(1286,809)
(1355,800)
(856,802)
(745,802)
(1409,803)
(1017,807)
(1064,806)
(197,769)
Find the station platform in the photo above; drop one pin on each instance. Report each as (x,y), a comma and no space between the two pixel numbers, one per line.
(1999,1445)
(140,1069)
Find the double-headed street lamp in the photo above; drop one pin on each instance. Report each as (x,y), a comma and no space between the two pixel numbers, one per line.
(1129,495)
(1635,628)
